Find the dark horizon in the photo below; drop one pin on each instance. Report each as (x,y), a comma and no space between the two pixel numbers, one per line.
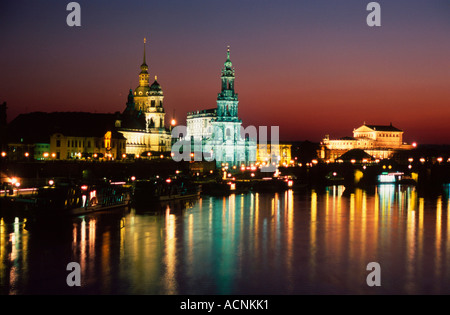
(311,68)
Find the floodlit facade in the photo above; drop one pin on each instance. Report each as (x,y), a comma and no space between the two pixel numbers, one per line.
(218,130)
(72,146)
(64,136)
(379,141)
(142,122)
(278,153)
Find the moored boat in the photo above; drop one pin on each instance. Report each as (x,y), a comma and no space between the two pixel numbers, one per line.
(159,190)
(77,199)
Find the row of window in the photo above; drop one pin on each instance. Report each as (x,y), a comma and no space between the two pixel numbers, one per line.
(81,144)
(389,135)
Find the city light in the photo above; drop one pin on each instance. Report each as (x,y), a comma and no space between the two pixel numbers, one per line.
(3,154)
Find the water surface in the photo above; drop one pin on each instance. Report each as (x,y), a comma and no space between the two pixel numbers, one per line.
(315,242)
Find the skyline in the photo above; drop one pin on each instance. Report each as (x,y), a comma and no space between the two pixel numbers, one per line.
(310,68)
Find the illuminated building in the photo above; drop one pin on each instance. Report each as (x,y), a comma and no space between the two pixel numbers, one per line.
(64,135)
(280,153)
(142,122)
(219,129)
(379,141)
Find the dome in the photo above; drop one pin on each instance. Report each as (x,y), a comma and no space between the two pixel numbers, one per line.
(141,91)
(155,88)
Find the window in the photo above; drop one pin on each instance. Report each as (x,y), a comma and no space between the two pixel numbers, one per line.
(153,103)
(89,144)
(68,143)
(58,143)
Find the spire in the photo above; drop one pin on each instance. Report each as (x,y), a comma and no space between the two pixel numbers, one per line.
(144,67)
(145,40)
(228,65)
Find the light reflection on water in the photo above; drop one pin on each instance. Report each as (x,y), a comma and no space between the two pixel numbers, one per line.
(281,243)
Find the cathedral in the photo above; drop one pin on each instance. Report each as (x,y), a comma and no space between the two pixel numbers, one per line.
(219,129)
(142,122)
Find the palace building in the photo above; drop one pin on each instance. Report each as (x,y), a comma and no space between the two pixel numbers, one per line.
(64,136)
(142,122)
(379,141)
(219,129)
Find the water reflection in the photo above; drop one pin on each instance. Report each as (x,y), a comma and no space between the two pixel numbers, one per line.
(281,243)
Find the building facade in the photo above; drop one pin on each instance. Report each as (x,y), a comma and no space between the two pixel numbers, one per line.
(280,154)
(72,146)
(219,129)
(64,136)
(379,141)
(142,122)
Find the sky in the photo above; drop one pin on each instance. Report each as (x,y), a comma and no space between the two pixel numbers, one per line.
(311,67)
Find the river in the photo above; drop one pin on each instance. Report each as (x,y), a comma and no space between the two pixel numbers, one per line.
(310,242)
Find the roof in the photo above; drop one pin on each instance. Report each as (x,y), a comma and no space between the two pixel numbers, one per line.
(201,113)
(37,127)
(383,127)
(133,119)
(355,154)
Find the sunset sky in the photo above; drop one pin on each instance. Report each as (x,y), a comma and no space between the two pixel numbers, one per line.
(310,67)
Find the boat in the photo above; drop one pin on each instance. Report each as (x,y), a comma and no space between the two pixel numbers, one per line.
(159,190)
(77,199)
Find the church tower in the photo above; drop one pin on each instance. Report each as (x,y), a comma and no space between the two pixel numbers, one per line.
(219,129)
(228,145)
(149,98)
(142,122)
(227,100)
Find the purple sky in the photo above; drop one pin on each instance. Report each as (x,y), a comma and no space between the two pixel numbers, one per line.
(310,67)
